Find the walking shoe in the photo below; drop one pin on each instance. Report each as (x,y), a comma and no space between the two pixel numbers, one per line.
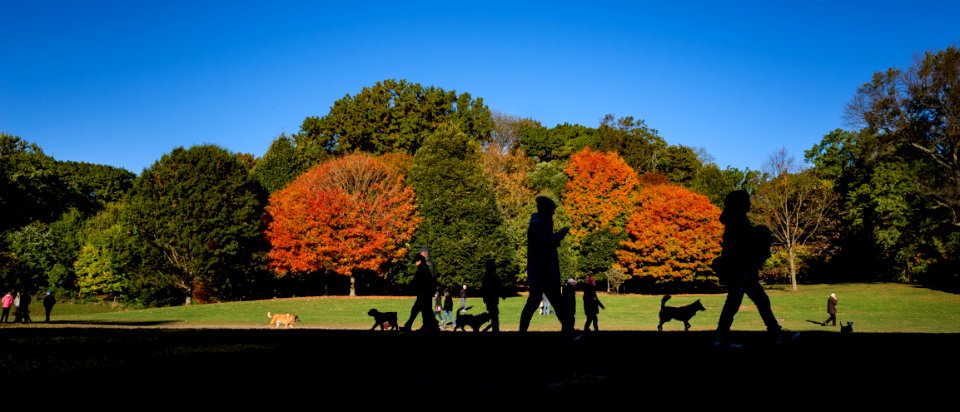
(785,337)
(719,343)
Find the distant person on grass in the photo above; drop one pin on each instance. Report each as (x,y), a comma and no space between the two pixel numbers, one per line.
(25,308)
(543,265)
(48,301)
(831,310)
(545,306)
(448,318)
(424,284)
(591,304)
(744,249)
(7,303)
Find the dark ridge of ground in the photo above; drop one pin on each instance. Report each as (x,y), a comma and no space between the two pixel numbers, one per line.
(414,367)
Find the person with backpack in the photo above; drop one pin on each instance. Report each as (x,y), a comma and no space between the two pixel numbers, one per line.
(744,249)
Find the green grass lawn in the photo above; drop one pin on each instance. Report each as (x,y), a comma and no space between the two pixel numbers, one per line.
(873,307)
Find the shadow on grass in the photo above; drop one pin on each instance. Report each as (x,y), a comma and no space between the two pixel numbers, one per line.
(94,323)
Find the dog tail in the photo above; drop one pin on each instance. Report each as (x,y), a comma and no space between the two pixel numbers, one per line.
(664,300)
(269,315)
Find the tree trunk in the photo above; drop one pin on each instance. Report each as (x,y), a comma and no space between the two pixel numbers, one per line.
(793,268)
(353,286)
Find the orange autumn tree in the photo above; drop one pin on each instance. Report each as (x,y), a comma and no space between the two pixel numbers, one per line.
(673,235)
(344,215)
(600,192)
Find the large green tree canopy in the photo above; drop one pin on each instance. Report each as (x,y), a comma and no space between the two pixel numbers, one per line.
(463,225)
(391,116)
(202,210)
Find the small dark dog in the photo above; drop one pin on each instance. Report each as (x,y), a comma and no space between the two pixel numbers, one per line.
(682,313)
(383,319)
(474,321)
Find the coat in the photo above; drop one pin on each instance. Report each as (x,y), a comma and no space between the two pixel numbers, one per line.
(591,303)
(543,261)
(832,305)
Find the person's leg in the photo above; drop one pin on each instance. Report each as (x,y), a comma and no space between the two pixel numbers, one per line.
(533,300)
(730,307)
(430,322)
(756,294)
(564,314)
(414,310)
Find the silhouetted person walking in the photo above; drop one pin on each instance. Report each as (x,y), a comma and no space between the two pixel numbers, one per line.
(744,249)
(591,304)
(424,284)
(490,289)
(25,299)
(48,301)
(831,310)
(543,265)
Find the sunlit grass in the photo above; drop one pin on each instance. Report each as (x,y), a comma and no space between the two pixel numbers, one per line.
(874,307)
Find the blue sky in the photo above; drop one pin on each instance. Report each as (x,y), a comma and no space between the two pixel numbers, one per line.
(124,82)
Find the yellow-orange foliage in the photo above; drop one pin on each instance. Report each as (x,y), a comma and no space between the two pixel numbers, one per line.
(673,235)
(346,214)
(601,189)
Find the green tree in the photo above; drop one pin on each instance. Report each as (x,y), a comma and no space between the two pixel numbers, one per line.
(45,252)
(901,165)
(391,116)
(715,183)
(91,186)
(463,225)
(795,205)
(680,164)
(641,146)
(280,165)
(30,188)
(200,207)
(104,260)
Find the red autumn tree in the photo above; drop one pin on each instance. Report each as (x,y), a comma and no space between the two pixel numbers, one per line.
(346,214)
(673,235)
(600,192)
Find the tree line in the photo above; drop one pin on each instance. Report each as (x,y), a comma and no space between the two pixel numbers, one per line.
(342,205)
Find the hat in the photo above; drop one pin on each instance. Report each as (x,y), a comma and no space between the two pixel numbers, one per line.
(49,291)
(571,282)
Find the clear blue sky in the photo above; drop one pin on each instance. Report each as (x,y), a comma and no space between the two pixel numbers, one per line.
(124,82)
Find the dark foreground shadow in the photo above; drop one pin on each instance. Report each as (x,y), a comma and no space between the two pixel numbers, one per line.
(311,365)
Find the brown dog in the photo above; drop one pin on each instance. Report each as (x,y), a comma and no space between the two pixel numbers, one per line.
(285,319)
(682,313)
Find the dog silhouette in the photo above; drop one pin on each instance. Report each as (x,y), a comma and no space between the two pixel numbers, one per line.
(383,319)
(681,313)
